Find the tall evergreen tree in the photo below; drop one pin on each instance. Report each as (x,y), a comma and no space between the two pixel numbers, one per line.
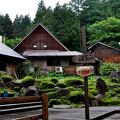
(66,27)
(7,27)
(1,25)
(21,25)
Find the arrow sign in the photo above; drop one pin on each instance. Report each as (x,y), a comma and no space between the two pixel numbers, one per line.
(86,58)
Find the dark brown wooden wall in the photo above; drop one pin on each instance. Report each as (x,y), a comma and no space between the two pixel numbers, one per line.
(37,36)
(103,52)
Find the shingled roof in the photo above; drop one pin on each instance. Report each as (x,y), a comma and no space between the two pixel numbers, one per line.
(6,51)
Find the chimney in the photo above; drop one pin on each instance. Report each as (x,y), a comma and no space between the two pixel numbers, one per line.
(0,39)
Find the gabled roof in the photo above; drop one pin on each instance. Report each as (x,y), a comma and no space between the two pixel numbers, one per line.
(47,32)
(103,45)
(48,53)
(6,51)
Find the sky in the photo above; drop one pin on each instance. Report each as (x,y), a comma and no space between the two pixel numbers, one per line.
(25,7)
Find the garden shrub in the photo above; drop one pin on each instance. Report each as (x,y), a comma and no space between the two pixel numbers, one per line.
(63,92)
(6,78)
(28,81)
(107,68)
(73,82)
(52,95)
(111,101)
(54,80)
(47,85)
(61,85)
(76,97)
(73,89)
(93,92)
(55,102)
(66,102)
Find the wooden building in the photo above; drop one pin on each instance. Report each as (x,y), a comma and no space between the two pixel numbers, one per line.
(45,50)
(9,59)
(105,53)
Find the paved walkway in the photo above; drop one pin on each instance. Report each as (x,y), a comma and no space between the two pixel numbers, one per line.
(79,113)
(68,114)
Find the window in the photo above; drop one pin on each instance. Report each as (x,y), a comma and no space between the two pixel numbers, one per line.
(53,62)
(40,45)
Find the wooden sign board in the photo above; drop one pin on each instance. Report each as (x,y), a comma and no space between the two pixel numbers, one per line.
(86,58)
(84,71)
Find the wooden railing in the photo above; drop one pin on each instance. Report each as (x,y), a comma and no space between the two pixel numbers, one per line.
(25,103)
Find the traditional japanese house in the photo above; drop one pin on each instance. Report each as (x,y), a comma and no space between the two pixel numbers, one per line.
(105,53)
(45,50)
(9,59)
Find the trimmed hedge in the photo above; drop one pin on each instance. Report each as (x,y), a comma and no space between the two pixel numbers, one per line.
(6,78)
(73,82)
(46,85)
(54,80)
(76,97)
(28,81)
(52,95)
(61,85)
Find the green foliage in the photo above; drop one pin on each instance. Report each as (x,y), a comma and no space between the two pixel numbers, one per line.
(28,81)
(107,68)
(54,80)
(61,85)
(6,78)
(73,82)
(52,95)
(25,69)
(12,42)
(47,85)
(55,102)
(111,101)
(106,31)
(76,97)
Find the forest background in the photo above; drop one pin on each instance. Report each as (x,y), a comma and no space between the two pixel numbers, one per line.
(100,17)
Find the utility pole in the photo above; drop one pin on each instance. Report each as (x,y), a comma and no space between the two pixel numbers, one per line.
(85,78)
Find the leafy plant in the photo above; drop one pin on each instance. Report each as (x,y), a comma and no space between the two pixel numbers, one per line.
(107,68)
(6,78)
(73,82)
(76,97)
(47,85)
(28,81)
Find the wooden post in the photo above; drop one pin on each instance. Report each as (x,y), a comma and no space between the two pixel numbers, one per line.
(85,78)
(45,107)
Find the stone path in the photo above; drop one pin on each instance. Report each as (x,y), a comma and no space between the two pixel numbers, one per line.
(68,114)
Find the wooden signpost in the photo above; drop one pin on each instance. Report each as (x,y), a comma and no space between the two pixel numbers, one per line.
(85,71)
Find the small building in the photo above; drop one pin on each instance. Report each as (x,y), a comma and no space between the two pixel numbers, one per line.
(105,53)
(45,50)
(9,59)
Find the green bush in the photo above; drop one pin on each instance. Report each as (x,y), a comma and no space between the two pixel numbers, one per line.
(47,85)
(61,85)
(52,95)
(55,102)
(76,97)
(107,68)
(28,81)
(54,80)
(73,82)
(111,101)
(6,78)
(93,92)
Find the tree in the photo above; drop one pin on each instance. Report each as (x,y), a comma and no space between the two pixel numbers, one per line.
(7,27)
(44,15)
(1,25)
(106,31)
(66,27)
(21,25)
(41,11)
